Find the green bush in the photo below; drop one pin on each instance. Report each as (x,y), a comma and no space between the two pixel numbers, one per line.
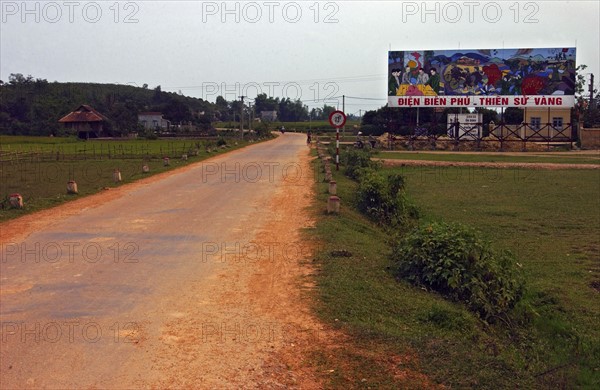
(454,261)
(383,200)
(354,160)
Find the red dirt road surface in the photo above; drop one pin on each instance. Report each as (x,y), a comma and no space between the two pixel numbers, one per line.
(190,279)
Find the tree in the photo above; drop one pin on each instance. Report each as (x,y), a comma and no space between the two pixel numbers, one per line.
(589,114)
(124,118)
(292,111)
(157,98)
(18,78)
(177,112)
(222,108)
(327,110)
(513,116)
(489,115)
(580,81)
(264,103)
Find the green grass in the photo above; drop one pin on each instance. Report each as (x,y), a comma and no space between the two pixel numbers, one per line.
(42,179)
(22,140)
(289,126)
(500,158)
(95,148)
(549,219)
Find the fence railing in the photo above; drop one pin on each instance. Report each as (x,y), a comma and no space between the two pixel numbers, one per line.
(501,134)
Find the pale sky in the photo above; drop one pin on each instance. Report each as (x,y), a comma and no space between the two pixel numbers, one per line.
(303,49)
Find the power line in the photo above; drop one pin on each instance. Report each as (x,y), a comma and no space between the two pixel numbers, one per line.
(347,79)
(365,98)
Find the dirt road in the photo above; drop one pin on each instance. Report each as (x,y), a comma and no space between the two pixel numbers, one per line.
(193,279)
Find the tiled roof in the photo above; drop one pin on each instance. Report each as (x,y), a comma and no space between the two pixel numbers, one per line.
(83,113)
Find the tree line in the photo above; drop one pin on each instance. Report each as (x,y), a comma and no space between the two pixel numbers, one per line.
(287,110)
(33,106)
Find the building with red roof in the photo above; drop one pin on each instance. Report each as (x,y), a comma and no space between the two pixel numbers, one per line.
(85,121)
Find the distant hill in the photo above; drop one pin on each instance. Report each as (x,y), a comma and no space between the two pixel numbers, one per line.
(31,106)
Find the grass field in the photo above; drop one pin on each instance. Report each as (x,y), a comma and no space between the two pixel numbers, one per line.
(289,126)
(549,219)
(94,149)
(591,158)
(31,166)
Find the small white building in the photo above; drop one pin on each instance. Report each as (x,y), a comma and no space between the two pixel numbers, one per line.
(268,115)
(153,121)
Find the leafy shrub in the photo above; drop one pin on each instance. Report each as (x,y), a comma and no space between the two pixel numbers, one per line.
(454,261)
(221,142)
(147,133)
(382,198)
(354,160)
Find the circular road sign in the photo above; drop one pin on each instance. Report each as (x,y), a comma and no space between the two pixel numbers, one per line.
(337,119)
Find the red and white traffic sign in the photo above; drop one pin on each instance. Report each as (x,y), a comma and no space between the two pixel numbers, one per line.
(337,119)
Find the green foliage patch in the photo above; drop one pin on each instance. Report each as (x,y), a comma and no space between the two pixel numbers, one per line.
(383,199)
(453,260)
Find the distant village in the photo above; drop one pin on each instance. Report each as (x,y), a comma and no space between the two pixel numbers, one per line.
(88,123)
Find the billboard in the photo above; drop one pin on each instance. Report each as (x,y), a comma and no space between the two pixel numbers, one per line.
(482,78)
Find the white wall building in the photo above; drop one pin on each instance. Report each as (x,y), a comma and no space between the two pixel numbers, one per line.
(153,121)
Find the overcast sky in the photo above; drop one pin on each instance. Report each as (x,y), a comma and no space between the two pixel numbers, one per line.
(304,49)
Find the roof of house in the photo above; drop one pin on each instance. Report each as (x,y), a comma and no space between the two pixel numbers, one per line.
(150,114)
(83,113)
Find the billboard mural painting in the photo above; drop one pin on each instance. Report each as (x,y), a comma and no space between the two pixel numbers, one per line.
(482,78)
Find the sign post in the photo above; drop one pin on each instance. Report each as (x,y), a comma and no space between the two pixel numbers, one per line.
(337,119)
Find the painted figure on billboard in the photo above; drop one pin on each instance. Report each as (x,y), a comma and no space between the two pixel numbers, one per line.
(522,73)
(434,81)
(394,82)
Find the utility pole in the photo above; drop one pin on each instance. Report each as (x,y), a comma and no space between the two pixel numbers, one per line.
(592,90)
(242,117)
(344,111)
(250,116)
